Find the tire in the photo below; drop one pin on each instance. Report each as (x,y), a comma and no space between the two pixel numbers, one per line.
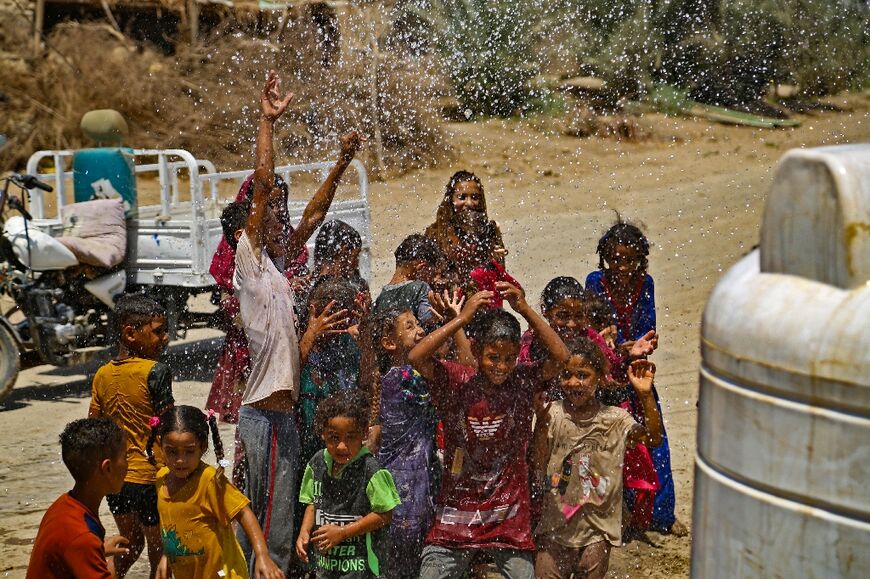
(10,362)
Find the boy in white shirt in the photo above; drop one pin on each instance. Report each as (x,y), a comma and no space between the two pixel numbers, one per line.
(267,428)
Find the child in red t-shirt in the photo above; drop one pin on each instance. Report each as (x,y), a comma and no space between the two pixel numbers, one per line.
(70,540)
(487,415)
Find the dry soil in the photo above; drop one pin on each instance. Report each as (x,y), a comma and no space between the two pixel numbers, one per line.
(698,188)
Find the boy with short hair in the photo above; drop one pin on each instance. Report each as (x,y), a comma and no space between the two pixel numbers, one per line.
(267,427)
(131,389)
(484,504)
(350,498)
(70,540)
(417,259)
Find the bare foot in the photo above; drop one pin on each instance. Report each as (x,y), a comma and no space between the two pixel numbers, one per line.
(679,529)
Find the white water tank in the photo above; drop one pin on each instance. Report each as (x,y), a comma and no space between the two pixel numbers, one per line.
(782,474)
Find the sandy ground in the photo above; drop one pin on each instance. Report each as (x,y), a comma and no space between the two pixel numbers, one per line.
(699,189)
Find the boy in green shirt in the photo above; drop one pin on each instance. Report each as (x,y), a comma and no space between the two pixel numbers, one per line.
(350,497)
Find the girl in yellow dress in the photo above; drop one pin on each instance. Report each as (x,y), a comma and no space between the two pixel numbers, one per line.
(197,504)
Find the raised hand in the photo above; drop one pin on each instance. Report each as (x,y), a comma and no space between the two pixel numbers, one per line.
(644,346)
(351,143)
(272,105)
(445,305)
(609,335)
(476,302)
(327,322)
(514,295)
(641,374)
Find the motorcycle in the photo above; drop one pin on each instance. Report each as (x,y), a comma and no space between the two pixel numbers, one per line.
(66,307)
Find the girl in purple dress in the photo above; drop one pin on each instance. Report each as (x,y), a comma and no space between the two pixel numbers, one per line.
(407,441)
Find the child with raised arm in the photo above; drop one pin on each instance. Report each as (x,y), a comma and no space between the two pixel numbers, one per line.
(70,540)
(267,427)
(624,283)
(582,445)
(350,497)
(130,390)
(487,415)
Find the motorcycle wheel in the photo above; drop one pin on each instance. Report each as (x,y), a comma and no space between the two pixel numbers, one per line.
(10,362)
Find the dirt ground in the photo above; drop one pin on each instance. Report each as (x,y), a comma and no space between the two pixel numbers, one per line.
(698,188)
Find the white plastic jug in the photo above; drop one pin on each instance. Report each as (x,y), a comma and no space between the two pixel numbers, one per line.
(782,474)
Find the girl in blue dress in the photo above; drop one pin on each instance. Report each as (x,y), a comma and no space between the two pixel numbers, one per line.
(623,283)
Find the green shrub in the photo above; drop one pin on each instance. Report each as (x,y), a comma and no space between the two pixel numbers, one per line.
(721,51)
(487,50)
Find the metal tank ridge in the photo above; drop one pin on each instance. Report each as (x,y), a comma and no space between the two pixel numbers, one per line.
(783,463)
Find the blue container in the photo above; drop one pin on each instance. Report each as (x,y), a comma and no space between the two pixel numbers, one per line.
(105,173)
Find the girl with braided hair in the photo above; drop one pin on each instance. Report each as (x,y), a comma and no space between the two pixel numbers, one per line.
(197,504)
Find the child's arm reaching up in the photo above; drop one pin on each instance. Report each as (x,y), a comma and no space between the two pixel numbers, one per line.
(422,355)
(641,374)
(559,353)
(447,307)
(316,210)
(264,567)
(272,106)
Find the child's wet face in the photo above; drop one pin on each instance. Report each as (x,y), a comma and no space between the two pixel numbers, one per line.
(407,332)
(624,260)
(579,380)
(182,452)
(274,235)
(467,196)
(345,262)
(149,339)
(497,360)
(343,438)
(349,260)
(568,317)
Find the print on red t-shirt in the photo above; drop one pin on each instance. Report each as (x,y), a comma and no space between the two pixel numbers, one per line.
(484,499)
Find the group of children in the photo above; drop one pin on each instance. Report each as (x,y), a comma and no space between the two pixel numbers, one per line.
(419,434)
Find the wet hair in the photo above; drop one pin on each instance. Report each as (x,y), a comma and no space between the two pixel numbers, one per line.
(560,289)
(418,247)
(623,233)
(234,217)
(493,325)
(87,442)
(382,325)
(590,353)
(349,403)
(248,187)
(333,237)
(136,310)
(443,228)
(464,177)
(186,419)
(332,288)
(599,312)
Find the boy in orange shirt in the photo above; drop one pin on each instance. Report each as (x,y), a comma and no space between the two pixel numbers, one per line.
(70,539)
(131,389)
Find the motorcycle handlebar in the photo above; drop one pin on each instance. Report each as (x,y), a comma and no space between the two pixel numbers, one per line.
(16,204)
(31,182)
